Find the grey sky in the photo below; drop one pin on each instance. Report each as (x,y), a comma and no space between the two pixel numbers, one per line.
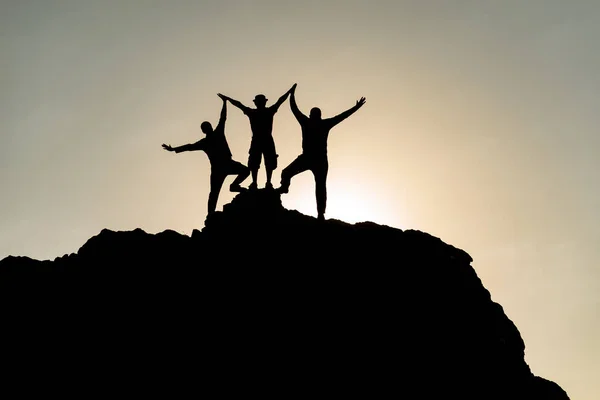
(480,128)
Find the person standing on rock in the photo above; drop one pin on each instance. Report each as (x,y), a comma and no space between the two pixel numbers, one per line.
(262,144)
(216,148)
(315,132)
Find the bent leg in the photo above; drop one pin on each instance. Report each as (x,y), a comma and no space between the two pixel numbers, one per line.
(299,165)
(242,172)
(320,173)
(216,182)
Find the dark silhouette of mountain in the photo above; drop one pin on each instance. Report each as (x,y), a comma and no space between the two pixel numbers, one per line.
(265,300)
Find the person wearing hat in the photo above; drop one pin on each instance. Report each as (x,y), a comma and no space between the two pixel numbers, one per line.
(262,144)
(216,148)
(315,131)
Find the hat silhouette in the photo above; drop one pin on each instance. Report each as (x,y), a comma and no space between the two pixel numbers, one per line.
(260,97)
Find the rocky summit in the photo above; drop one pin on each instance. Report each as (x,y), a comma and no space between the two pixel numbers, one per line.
(270,302)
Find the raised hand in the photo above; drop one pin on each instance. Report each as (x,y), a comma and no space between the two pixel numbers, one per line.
(359,103)
(167,147)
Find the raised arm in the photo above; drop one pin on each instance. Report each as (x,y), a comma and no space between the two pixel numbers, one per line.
(234,102)
(280,101)
(223,117)
(297,113)
(199,145)
(342,116)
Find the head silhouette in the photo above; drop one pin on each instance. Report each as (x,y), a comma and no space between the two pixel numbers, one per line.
(260,100)
(315,113)
(206,127)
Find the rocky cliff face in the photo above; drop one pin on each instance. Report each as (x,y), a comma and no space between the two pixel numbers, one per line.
(268,301)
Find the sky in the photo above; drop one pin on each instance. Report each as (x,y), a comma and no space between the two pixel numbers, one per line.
(480,127)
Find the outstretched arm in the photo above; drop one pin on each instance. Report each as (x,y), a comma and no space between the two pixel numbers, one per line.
(342,116)
(199,145)
(280,101)
(297,113)
(234,102)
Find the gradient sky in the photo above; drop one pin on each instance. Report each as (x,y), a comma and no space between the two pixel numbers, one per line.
(481,128)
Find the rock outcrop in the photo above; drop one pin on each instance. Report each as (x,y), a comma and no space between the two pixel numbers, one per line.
(267,301)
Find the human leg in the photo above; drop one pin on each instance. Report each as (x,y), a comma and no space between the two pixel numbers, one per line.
(270,159)
(217,177)
(254,156)
(320,173)
(299,165)
(242,172)
(254,184)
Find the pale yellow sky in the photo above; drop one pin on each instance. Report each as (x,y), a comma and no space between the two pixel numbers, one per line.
(480,128)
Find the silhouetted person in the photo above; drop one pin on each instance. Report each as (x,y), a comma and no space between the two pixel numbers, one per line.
(216,148)
(262,144)
(315,132)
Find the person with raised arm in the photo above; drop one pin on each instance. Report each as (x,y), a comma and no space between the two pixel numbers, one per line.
(216,148)
(315,132)
(262,144)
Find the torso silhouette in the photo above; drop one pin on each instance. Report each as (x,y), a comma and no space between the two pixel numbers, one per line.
(215,146)
(314,136)
(261,121)
(315,131)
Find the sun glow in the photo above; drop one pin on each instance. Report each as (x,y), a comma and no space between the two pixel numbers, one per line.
(346,201)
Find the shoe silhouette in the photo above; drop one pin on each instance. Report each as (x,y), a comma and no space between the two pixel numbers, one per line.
(283,189)
(236,188)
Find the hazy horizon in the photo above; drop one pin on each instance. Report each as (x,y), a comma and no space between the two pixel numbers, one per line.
(480,128)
